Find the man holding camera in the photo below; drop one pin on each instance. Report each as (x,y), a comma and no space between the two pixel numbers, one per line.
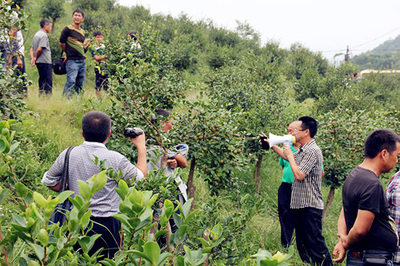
(307,203)
(96,129)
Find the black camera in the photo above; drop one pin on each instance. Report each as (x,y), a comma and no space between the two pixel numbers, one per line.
(132,132)
(264,143)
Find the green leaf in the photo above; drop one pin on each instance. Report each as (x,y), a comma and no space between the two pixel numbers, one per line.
(160,233)
(204,242)
(152,250)
(38,250)
(4,145)
(84,190)
(186,207)
(99,181)
(3,192)
(140,254)
(43,237)
(39,199)
(64,195)
(182,230)
(22,191)
(123,188)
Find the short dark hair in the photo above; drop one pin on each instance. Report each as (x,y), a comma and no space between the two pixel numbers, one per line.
(133,34)
(307,122)
(79,11)
(378,140)
(44,22)
(160,113)
(96,126)
(96,32)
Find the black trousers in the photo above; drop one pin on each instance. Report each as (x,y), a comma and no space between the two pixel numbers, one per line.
(110,238)
(310,242)
(45,78)
(101,79)
(285,214)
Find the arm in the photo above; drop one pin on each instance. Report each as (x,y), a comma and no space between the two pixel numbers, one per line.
(359,230)
(299,175)
(178,160)
(86,44)
(140,143)
(99,58)
(33,58)
(39,52)
(339,252)
(55,188)
(62,45)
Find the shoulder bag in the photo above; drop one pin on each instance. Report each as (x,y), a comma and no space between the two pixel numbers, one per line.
(60,210)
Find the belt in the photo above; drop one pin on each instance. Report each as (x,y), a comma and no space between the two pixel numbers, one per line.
(355,255)
(360,254)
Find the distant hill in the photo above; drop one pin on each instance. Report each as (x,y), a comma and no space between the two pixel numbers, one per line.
(385,56)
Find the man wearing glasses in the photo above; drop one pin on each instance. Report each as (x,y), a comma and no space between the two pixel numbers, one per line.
(306,202)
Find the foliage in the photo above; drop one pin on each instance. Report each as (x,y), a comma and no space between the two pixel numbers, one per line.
(215,142)
(301,58)
(231,227)
(11,101)
(341,136)
(52,9)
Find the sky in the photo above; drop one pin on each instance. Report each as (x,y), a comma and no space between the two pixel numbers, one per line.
(328,26)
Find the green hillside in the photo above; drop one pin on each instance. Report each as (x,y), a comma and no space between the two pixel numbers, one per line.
(384,56)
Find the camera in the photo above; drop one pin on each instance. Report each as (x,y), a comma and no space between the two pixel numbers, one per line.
(132,132)
(264,143)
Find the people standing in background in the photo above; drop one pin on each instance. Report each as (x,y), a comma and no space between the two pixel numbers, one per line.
(97,51)
(41,57)
(74,44)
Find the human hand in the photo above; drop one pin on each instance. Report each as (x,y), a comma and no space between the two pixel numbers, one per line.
(339,253)
(139,141)
(343,240)
(87,41)
(19,62)
(33,61)
(287,151)
(65,59)
(172,163)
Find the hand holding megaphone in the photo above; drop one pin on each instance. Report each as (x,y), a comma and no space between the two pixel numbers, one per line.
(272,140)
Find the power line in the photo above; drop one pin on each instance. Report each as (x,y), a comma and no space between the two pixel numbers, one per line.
(375,38)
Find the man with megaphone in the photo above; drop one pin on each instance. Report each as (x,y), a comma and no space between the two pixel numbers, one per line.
(306,202)
(285,189)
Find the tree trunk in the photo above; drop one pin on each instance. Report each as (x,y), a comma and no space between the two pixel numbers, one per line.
(329,201)
(53,25)
(257,173)
(190,186)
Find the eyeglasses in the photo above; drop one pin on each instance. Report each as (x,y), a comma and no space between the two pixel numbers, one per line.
(296,130)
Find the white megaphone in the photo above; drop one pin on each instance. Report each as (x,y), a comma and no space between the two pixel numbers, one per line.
(285,139)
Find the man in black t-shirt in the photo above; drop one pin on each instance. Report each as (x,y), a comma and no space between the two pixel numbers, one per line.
(74,44)
(365,228)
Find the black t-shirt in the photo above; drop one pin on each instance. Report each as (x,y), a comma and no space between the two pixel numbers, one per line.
(362,190)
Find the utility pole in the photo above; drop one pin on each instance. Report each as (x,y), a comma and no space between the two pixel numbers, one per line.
(347,56)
